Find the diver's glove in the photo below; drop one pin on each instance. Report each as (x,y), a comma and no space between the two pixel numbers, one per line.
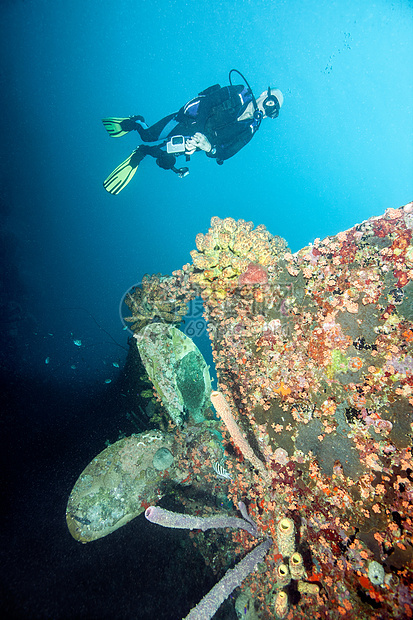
(198,141)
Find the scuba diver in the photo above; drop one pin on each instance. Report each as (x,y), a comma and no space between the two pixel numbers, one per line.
(219,121)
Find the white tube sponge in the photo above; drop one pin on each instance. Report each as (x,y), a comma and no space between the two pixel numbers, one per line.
(224,412)
(166,518)
(233,578)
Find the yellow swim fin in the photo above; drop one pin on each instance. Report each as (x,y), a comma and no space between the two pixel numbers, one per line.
(114,126)
(118,127)
(123,174)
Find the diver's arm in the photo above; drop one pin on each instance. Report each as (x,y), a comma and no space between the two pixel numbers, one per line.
(225,150)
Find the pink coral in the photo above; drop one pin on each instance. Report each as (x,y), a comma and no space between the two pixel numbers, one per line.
(254,274)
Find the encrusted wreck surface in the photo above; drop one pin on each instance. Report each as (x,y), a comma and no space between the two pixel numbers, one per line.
(314,350)
(151,301)
(177,370)
(120,483)
(314,353)
(137,471)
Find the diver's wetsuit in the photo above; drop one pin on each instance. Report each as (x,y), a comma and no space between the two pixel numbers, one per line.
(214,113)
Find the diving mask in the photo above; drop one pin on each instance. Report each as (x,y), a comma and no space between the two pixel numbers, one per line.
(272,103)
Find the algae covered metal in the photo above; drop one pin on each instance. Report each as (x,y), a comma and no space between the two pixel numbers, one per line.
(121,482)
(177,369)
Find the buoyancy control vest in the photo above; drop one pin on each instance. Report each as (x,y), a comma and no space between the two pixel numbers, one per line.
(216,107)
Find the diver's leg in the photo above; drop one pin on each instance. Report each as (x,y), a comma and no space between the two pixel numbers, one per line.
(118,127)
(123,174)
(159,130)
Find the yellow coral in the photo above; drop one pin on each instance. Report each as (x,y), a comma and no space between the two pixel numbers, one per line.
(225,252)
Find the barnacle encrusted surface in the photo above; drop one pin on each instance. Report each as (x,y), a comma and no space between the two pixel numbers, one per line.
(177,369)
(314,352)
(120,483)
(135,472)
(318,361)
(155,300)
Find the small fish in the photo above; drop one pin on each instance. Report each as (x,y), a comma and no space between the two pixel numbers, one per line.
(73,366)
(108,380)
(78,343)
(115,364)
(221,471)
(47,360)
